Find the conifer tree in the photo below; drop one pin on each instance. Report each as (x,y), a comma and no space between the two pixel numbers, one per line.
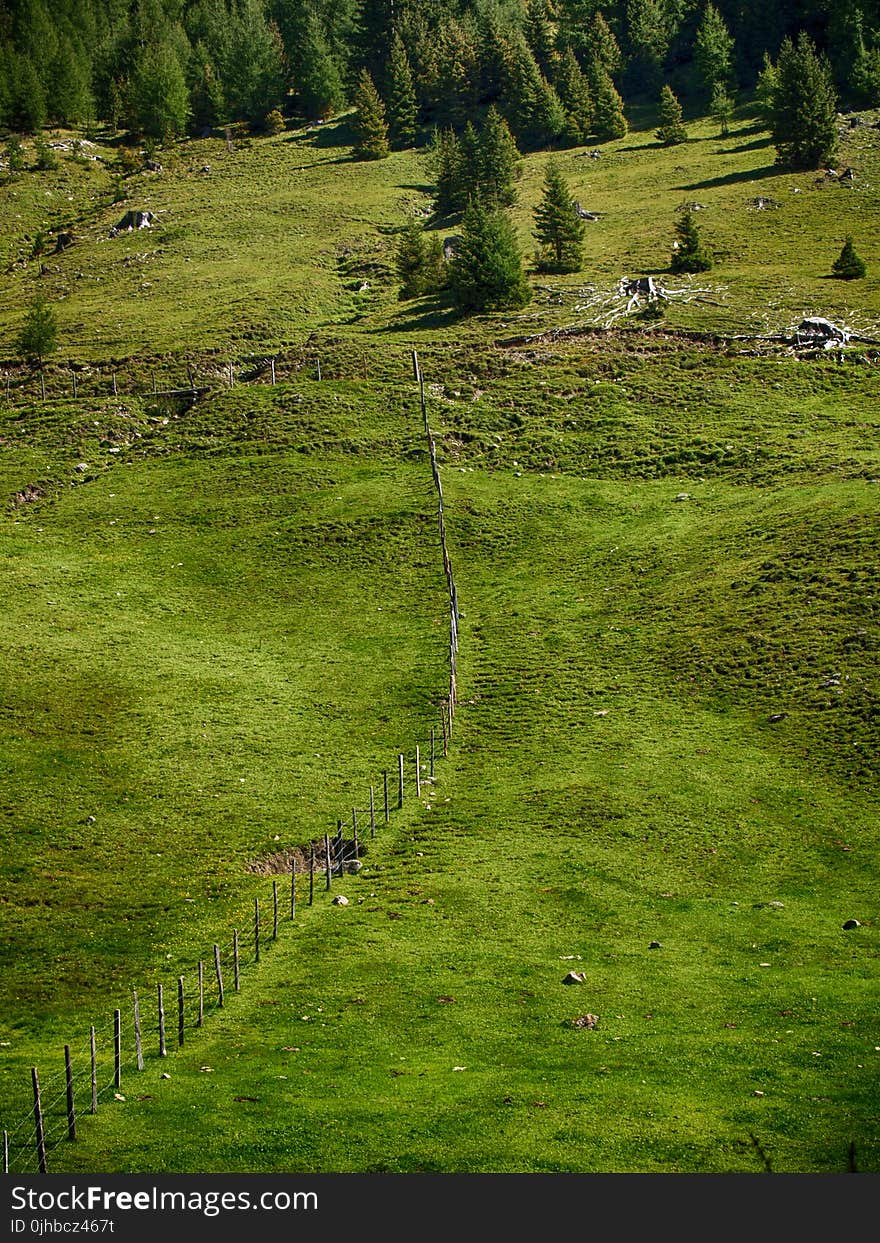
(159,95)
(46,159)
(540,34)
(207,102)
(419,262)
(39,333)
(318,80)
(14,155)
(29,110)
(559,229)
(671,129)
(499,161)
(401,97)
(574,95)
(713,51)
(721,107)
(370,127)
(848,265)
(536,115)
(765,89)
(688,254)
(446,163)
(602,46)
(608,119)
(804,110)
(486,273)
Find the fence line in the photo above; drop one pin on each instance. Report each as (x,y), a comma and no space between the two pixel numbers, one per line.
(35,1134)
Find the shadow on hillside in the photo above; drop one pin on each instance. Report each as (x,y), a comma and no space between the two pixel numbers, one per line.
(439,315)
(732,179)
(758,143)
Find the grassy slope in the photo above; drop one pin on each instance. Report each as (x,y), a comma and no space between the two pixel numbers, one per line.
(586,588)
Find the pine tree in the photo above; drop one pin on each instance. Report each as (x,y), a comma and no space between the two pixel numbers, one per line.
(207,103)
(29,105)
(602,47)
(402,106)
(159,95)
(39,333)
(559,229)
(848,265)
(46,159)
(486,273)
(318,80)
(688,254)
(713,51)
(371,130)
(14,155)
(804,122)
(650,27)
(574,94)
(419,262)
(446,163)
(765,89)
(671,130)
(721,108)
(534,110)
(499,162)
(540,34)
(608,119)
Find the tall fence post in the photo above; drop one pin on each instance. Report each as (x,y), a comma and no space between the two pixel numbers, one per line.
(312,874)
(272,360)
(115,390)
(431,769)
(93,1057)
(181,1012)
(418,773)
(138,1047)
(163,1052)
(5,1152)
(256,929)
(38,1122)
(236,966)
(372,812)
(399,782)
(117,1048)
(318,361)
(329,862)
(274,910)
(200,1018)
(68,1080)
(293,889)
(385,791)
(219,973)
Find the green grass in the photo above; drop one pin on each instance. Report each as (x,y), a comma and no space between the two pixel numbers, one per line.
(224,622)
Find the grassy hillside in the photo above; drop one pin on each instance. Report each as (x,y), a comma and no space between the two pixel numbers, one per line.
(223,622)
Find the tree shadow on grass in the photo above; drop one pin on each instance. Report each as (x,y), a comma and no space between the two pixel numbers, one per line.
(758,143)
(732,179)
(435,315)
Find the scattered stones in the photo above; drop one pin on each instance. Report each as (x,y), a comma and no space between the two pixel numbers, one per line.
(683,496)
(117,1096)
(82,467)
(574,977)
(585,1021)
(164,1075)
(757,1092)
(340,900)
(777,716)
(778,906)
(851,923)
(655,945)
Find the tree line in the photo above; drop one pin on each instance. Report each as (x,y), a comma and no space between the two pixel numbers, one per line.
(559,70)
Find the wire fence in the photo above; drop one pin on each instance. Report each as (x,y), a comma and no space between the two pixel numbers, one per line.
(156,1021)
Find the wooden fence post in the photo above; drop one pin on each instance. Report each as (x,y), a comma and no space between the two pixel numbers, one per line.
(431,768)
(372,812)
(163,1052)
(115,391)
(5,1152)
(273,370)
(117,1048)
(293,889)
(319,366)
(38,1122)
(418,774)
(256,929)
(138,1048)
(399,782)
(181,1012)
(312,874)
(68,1079)
(236,967)
(329,864)
(93,1053)
(385,789)
(201,1014)
(274,910)
(219,973)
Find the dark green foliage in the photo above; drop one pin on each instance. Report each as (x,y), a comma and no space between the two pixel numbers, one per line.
(804,119)
(848,265)
(159,98)
(274,122)
(559,230)
(401,103)
(650,26)
(865,77)
(671,129)
(370,127)
(46,159)
(39,333)
(486,273)
(688,253)
(13,154)
(446,163)
(608,119)
(574,94)
(481,164)
(253,74)
(207,101)
(28,109)
(540,34)
(601,46)
(317,80)
(419,262)
(721,108)
(765,89)
(535,113)
(713,51)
